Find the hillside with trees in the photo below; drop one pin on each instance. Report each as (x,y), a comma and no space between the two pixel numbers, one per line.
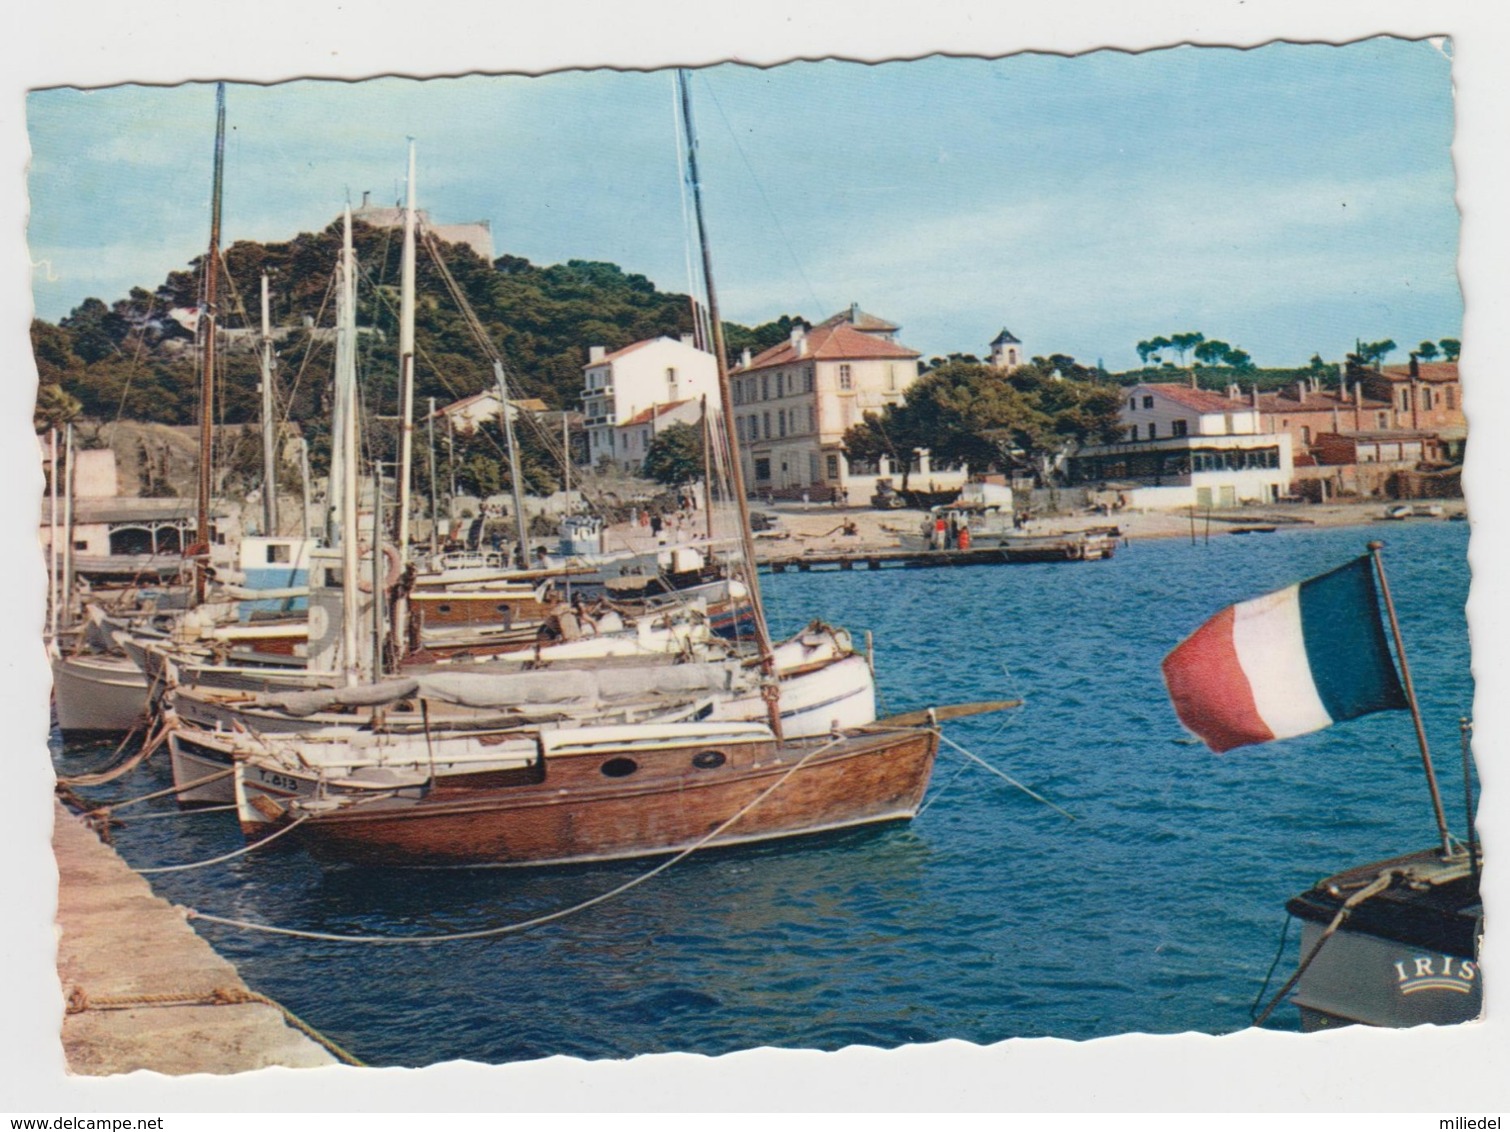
(133,359)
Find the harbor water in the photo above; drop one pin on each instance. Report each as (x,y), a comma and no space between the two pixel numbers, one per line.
(1157,910)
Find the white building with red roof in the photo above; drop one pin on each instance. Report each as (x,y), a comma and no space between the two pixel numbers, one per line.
(1189,447)
(633,438)
(619,385)
(794,401)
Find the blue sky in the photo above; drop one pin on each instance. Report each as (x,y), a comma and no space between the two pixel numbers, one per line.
(1287,199)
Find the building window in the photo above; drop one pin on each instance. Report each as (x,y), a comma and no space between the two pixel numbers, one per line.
(833,467)
(1426,399)
(1153,430)
(812,422)
(1405,400)
(807,380)
(1179,427)
(1450,392)
(1147,402)
(891,377)
(812,467)
(781,422)
(1383,420)
(765,420)
(670,375)
(763,469)
(846,378)
(765,387)
(1132,404)
(780,384)
(1305,434)
(1132,432)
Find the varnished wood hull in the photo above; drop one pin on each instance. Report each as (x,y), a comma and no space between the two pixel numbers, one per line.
(567,809)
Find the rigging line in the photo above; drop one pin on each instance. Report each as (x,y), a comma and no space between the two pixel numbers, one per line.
(536,921)
(309,351)
(232,855)
(765,199)
(136,360)
(1278,955)
(1004,776)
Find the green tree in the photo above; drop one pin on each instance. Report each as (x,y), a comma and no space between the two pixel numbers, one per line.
(1427,351)
(1451,348)
(1213,352)
(675,457)
(1186,341)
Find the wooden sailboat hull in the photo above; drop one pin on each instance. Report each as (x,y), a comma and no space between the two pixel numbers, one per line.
(590,806)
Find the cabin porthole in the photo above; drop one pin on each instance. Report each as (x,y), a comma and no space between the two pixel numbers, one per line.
(443,607)
(707,760)
(619,767)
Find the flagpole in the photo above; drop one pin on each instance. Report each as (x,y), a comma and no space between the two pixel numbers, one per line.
(1410,695)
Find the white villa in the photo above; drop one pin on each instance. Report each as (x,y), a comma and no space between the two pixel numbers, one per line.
(1189,447)
(619,386)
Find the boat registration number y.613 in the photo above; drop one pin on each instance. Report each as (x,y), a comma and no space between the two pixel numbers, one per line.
(277,781)
(1434,973)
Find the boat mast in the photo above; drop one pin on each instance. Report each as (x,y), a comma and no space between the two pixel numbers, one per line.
(346,441)
(406,367)
(406,399)
(1410,696)
(66,586)
(514,479)
(269,425)
(52,541)
(207,370)
(434,517)
(726,409)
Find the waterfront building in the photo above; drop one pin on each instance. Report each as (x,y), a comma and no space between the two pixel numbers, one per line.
(618,386)
(1188,447)
(794,402)
(1423,395)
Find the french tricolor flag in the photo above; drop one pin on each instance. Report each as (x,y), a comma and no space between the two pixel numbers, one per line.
(1287,663)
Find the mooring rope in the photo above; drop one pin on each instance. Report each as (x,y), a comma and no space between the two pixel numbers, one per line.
(119,770)
(79,1002)
(1367,892)
(189,813)
(535,921)
(245,849)
(175,789)
(1004,776)
(1278,955)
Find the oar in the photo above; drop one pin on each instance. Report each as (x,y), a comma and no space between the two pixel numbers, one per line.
(941,714)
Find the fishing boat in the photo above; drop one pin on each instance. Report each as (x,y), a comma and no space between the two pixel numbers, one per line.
(1405,951)
(1392,943)
(609,792)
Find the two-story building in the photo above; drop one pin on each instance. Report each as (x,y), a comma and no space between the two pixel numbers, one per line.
(1425,396)
(619,385)
(1189,447)
(794,401)
(634,437)
(464,416)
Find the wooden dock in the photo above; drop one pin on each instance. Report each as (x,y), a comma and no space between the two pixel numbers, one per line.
(142,990)
(1069,549)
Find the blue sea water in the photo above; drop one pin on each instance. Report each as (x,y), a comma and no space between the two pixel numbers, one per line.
(990,916)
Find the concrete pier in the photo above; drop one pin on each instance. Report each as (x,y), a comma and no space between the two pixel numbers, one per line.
(143,990)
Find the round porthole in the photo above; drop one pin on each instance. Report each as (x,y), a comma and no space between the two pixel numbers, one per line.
(707,760)
(620,767)
(443,607)
(501,608)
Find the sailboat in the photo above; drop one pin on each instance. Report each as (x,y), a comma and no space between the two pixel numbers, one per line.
(607,792)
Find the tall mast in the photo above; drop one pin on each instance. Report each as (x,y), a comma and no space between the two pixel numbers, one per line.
(434,517)
(406,366)
(346,441)
(726,407)
(406,403)
(269,425)
(52,542)
(207,320)
(514,479)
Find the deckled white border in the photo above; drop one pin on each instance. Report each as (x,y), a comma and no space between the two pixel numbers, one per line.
(98,42)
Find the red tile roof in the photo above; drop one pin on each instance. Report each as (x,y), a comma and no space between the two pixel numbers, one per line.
(1201,400)
(629,349)
(830,343)
(1430,371)
(854,316)
(1320,401)
(645,416)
